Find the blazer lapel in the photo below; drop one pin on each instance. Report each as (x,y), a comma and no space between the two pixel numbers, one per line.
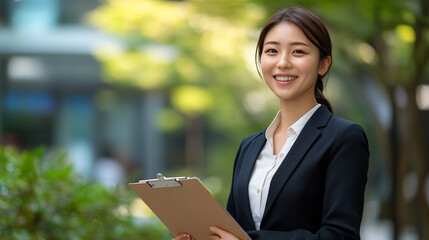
(243,197)
(310,133)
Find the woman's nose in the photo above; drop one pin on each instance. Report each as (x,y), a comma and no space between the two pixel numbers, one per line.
(284,62)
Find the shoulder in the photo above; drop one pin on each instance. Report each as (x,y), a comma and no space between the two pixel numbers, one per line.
(342,125)
(254,141)
(346,131)
(334,126)
(249,139)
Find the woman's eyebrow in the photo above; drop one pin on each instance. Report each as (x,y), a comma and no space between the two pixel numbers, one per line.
(272,42)
(292,43)
(300,43)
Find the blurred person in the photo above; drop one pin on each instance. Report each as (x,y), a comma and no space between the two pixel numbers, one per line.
(304,176)
(109,171)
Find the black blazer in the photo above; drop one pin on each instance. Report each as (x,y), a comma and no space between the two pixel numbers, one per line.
(318,190)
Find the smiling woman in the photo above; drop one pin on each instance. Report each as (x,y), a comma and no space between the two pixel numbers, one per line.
(312,34)
(304,176)
(290,64)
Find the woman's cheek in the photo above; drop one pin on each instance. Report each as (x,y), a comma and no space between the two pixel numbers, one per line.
(267,66)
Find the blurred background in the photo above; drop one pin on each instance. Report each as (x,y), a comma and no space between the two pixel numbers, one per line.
(96,94)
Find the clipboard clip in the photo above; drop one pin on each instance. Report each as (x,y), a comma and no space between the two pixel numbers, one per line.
(163,182)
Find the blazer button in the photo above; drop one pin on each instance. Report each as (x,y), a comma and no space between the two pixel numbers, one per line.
(258,190)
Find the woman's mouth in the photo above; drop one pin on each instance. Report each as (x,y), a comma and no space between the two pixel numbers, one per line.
(285,78)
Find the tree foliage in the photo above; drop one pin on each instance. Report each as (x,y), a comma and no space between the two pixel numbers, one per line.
(199,55)
(42,198)
(182,47)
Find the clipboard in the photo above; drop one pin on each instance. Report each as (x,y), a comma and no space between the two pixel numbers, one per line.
(185,205)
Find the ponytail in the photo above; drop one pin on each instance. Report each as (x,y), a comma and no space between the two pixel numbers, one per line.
(318,93)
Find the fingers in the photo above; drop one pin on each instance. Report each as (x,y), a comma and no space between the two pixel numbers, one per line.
(216,230)
(221,234)
(184,236)
(218,233)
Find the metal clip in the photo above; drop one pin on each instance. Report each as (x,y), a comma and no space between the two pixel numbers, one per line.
(162,182)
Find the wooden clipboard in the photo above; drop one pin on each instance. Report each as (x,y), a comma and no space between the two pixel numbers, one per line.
(185,205)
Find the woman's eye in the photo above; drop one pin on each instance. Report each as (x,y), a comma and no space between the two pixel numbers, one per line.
(298,51)
(271,51)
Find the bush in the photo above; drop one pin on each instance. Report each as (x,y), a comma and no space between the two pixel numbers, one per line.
(41,197)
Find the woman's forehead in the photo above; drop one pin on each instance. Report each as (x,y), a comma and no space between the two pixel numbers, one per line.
(286,32)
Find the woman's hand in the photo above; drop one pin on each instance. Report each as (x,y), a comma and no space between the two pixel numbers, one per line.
(184,236)
(221,234)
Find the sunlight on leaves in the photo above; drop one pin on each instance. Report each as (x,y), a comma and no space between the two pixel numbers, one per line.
(180,24)
(192,99)
(170,45)
(406,33)
(367,53)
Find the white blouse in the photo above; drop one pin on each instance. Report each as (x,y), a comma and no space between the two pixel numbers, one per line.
(267,164)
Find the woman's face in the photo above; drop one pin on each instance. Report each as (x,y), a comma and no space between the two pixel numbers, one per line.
(290,63)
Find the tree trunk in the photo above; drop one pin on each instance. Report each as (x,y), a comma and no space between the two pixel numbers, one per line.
(419,156)
(394,166)
(401,161)
(194,143)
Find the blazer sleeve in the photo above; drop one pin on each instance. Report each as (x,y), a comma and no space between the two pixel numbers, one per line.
(230,206)
(346,177)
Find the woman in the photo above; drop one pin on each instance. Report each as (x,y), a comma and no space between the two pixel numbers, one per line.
(304,176)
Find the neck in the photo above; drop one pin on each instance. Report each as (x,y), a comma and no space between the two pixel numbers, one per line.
(292,111)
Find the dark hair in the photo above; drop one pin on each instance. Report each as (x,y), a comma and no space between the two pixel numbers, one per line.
(313,28)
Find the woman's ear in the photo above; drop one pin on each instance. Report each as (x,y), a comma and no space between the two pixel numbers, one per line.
(324,65)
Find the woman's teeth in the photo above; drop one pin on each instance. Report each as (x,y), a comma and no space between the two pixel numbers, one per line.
(284,78)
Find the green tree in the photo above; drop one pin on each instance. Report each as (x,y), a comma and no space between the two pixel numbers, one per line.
(198,54)
(41,197)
